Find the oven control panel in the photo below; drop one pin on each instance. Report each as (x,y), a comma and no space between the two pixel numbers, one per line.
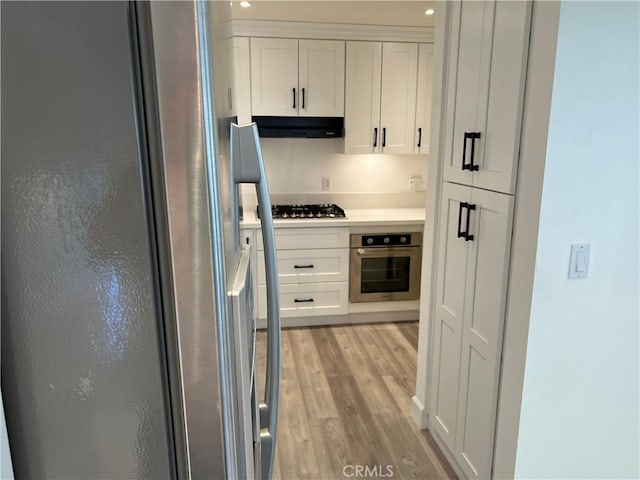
(387,240)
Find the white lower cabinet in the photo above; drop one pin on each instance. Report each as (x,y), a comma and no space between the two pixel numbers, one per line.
(474,248)
(309,266)
(308,299)
(313,272)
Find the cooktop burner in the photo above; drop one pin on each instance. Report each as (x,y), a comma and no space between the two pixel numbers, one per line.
(306,211)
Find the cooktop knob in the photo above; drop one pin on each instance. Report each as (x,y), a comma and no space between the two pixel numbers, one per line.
(285,215)
(369,241)
(403,239)
(386,240)
(310,215)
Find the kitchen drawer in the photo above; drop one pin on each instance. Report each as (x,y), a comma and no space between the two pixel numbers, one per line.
(298,238)
(328,299)
(309,266)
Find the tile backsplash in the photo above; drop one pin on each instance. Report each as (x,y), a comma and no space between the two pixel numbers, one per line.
(296,167)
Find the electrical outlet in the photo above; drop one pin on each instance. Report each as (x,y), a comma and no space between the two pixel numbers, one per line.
(326,184)
(415,183)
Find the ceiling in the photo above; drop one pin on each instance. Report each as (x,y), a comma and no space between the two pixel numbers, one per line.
(399,13)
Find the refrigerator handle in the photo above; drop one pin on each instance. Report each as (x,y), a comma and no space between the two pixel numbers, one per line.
(248,167)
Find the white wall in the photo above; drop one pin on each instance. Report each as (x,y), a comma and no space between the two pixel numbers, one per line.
(295,168)
(580,411)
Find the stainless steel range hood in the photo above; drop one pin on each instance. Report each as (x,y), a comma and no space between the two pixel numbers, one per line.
(300,127)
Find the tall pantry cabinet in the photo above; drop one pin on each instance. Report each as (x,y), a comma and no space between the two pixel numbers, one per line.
(488,44)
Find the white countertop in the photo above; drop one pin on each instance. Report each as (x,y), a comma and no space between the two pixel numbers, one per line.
(355,217)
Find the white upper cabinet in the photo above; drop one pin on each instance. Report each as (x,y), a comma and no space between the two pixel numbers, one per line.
(381,92)
(485,93)
(274,76)
(423,103)
(398,105)
(321,78)
(363,87)
(291,77)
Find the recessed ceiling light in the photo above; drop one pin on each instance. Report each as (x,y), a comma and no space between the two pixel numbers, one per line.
(429,11)
(245,4)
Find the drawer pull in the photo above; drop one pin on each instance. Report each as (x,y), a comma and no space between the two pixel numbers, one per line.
(303,266)
(303,300)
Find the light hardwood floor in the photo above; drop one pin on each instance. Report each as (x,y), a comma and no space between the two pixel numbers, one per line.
(346,401)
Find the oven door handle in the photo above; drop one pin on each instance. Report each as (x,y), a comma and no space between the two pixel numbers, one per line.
(386,251)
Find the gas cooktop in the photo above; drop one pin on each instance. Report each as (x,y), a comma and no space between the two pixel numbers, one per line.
(306,211)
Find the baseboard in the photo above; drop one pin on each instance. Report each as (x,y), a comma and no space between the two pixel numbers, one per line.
(319,320)
(419,413)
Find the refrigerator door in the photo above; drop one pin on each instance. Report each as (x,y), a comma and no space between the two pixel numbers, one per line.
(242,328)
(197,196)
(118,235)
(248,167)
(84,377)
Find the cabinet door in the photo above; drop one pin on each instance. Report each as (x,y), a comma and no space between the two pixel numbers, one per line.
(498,162)
(449,312)
(468,75)
(398,106)
(309,266)
(485,299)
(485,92)
(274,76)
(321,78)
(423,103)
(241,91)
(362,101)
(308,299)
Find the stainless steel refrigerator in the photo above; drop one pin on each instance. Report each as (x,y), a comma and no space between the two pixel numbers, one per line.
(128,333)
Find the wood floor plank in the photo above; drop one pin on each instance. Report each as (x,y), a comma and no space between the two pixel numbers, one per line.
(397,346)
(368,384)
(333,361)
(433,451)
(410,331)
(295,447)
(399,394)
(261,359)
(377,349)
(330,446)
(376,394)
(364,442)
(409,459)
(313,382)
(399,339)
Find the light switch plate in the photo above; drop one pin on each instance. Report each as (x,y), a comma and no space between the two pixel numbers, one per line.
(579,260)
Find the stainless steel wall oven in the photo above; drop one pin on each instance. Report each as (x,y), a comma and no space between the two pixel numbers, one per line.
(385,267)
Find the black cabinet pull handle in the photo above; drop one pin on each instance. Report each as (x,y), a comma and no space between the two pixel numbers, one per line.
(375,137)
(384,137)
(472,167)
(294,97)
(469,136)
(419,137)
(303,98)
(303,266)
(467,236)
(303,300)
(461,205)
